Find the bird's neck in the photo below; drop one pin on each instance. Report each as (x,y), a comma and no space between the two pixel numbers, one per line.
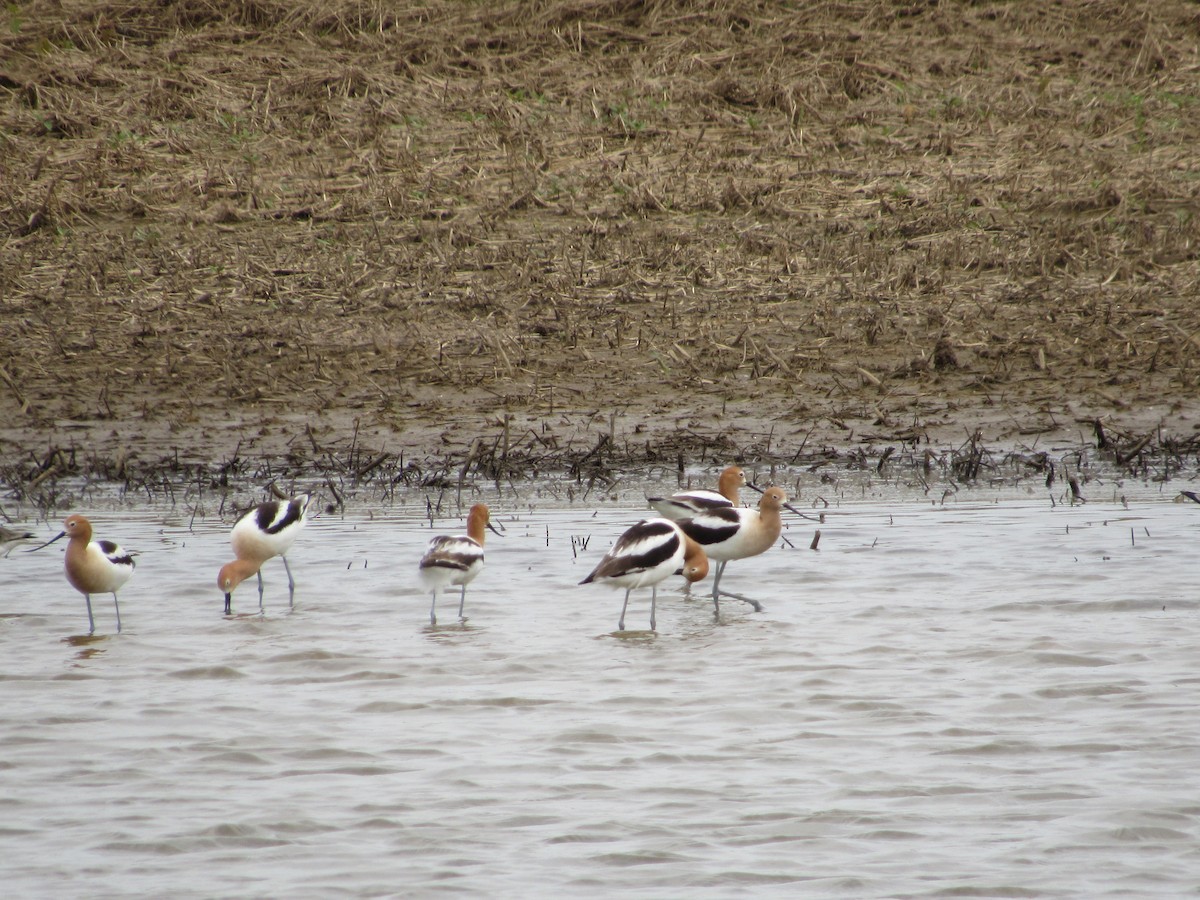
(77,550)
(475,527)
(770,524)
(728,487)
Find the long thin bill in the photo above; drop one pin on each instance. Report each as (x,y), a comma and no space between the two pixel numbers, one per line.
(61,534)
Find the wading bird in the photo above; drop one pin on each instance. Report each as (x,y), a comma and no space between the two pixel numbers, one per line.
(645,555)
(93,567)
(13,536)
(690,503)
(455,559)
(266,531)
(727,534)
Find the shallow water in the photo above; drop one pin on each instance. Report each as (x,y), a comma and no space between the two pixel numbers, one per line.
(986,698)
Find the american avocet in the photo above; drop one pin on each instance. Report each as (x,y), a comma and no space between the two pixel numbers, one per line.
(13,536)
(93,567)
(455,559)
(689,503)
(266,531)
(727,534)
(645,554)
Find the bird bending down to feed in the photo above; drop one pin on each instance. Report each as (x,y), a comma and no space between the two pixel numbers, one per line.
(266,531)
(93,567)
(455,559)
(645,555)
(727,534)
(690,503)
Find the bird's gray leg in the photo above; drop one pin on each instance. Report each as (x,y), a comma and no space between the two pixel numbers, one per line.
(291,582)
(716,592)
(260,592)
(462,601)
(432,607)
(757,606)
(621,624)
(653,603)
(720,569)
(87,598)
(117,607)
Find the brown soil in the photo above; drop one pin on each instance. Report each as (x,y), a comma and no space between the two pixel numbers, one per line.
(251,237)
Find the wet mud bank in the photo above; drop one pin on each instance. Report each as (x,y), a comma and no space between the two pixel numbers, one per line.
(300,244)
(582,460)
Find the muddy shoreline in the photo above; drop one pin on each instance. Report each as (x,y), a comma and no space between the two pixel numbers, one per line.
(585,460)
(299,244)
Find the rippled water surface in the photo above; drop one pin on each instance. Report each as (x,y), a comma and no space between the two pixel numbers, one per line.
(985,698)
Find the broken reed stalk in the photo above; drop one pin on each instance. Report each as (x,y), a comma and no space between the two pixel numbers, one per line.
(1076,493)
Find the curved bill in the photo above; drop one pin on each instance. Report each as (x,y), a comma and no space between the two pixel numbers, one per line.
(61,534)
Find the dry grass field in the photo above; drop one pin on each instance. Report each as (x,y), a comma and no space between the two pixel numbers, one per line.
(421,238)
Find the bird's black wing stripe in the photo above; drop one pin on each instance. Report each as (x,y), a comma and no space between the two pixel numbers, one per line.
(651,557)
(266,515)
(712,528)
(268,511)
(108,548)
(643,530)
(458,561)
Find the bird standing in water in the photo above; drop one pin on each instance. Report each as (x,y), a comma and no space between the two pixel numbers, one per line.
(266,531)
(93,567)
(455,559)
(727,534)
(689,503)
(13,536)
(645,555)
